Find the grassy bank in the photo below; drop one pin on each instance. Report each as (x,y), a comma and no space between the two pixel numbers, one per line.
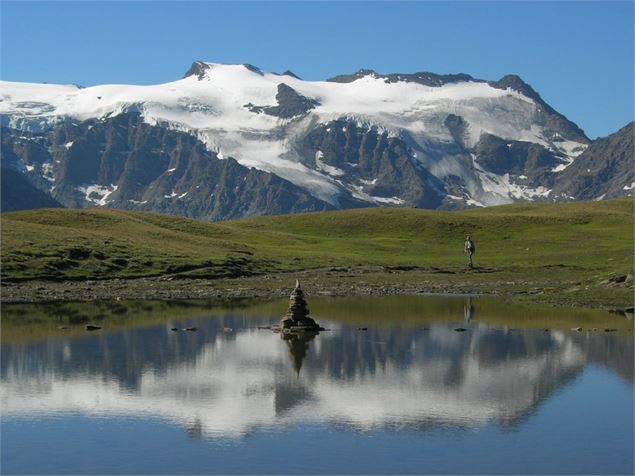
(560,252)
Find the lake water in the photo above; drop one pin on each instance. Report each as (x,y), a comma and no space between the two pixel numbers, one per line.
(408,395)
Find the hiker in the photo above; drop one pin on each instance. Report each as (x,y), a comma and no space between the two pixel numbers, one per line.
(469,249)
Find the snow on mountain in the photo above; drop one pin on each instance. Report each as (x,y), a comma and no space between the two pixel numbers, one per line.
(261,120)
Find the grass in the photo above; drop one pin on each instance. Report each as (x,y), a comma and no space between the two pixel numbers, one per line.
(564,250)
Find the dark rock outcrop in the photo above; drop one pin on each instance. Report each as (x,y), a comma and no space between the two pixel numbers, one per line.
(604,170)
(425,78)
(197,69)
(290,104)
(19,194)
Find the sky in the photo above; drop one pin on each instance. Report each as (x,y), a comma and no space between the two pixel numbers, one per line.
(578,55)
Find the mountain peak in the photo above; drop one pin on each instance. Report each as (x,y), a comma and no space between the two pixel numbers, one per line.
(201,68)
(198,69)
(515,82)
(557,121)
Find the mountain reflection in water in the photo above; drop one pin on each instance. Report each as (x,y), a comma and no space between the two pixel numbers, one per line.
(227,384)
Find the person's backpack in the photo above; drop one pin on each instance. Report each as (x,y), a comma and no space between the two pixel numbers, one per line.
(470,246)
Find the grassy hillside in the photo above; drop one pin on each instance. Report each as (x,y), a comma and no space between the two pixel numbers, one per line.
(537,243)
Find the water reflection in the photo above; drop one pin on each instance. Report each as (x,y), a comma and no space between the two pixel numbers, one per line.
(227,384)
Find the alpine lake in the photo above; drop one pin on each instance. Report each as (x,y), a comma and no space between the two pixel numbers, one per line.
(394,385)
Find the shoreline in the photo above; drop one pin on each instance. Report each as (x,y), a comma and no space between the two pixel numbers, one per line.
(316,283)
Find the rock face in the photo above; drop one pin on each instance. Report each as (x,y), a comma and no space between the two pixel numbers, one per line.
(19,194)
(297,316)
(604,170)
(290,104)
(122,162)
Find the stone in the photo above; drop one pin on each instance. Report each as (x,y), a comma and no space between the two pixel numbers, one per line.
(297,317)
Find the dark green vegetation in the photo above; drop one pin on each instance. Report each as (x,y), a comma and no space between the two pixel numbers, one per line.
(570,253)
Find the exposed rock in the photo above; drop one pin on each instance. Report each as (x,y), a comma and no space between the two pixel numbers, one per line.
(19,194)
(425,78)
(198,69)
(604,170)
(147,168)
(290,104)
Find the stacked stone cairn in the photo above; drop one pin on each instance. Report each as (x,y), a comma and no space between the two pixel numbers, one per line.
(297,317)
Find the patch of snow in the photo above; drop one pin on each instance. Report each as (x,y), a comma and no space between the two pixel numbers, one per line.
(68,145)
(522,177)
(391,200)
(138,202)
(169,171)
(171,195)
(182,195)
(97,194)
(47,171)
(471,201)
(29,168)
(561,167)
(570,148)
(369,182)
(629,187)
(499,189)
(324,167)
(601,197)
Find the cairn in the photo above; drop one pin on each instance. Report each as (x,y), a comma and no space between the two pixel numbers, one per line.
(297,317)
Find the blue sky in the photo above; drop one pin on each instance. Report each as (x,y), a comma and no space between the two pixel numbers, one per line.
(577,55)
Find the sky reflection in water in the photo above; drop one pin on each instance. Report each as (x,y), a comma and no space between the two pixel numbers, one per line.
(143,396)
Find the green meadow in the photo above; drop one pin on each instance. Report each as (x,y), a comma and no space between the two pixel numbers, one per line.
(572,252)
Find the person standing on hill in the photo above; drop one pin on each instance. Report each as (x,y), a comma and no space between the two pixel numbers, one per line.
(469,249)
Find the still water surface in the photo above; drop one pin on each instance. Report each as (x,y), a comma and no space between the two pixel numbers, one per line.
(408,395)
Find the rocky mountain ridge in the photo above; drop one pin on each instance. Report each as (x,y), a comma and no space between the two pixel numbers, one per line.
(231,140)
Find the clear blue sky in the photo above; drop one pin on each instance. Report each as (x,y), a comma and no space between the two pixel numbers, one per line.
(577,55)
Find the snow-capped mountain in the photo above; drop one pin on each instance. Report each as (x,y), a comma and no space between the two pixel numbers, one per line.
(231,140)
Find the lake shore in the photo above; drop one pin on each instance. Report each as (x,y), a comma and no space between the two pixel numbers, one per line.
(361,281)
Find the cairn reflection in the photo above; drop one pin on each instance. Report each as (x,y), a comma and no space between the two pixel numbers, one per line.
(298,347)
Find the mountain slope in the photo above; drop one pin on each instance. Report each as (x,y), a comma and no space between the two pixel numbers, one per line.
(19,194)
(605,170)
(125,163)
(413,140)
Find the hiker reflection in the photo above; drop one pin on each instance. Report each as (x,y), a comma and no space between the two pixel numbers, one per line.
(468,310)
